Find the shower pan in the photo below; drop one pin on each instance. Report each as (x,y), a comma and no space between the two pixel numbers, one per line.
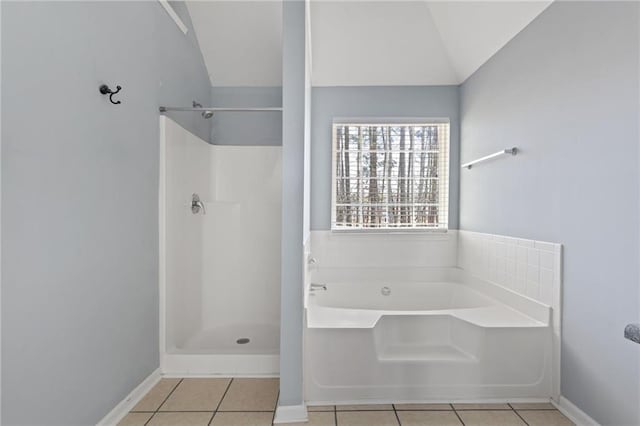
(220,221)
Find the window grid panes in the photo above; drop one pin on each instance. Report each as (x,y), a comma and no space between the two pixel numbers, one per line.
(390,176)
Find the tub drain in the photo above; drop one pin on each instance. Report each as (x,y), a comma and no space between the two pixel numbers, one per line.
(243,341)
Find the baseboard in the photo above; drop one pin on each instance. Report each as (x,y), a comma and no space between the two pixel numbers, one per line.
(124,406)
(576,415)
(291,414)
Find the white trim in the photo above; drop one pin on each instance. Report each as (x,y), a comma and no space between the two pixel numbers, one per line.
(391,121)
(220,376)
(428,401)
(232,365)
(0,238)
(162,249)
(576,415)
(172,13)
(291,414)
(124,406)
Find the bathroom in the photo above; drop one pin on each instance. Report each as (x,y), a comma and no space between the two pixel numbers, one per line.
(320,212)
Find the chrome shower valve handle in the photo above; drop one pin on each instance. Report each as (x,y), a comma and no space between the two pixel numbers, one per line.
(196,204)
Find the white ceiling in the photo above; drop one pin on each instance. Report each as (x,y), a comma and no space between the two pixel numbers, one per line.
(241,41)
(359,43)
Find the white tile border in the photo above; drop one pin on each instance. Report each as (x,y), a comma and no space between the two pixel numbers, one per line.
(576,415)
(124,406)
(291,414)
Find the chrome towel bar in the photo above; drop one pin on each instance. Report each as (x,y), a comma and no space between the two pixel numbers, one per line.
(512,151)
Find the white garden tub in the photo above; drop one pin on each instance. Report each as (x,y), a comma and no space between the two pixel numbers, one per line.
(435,335)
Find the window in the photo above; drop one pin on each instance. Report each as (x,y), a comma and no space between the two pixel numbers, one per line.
(390,176)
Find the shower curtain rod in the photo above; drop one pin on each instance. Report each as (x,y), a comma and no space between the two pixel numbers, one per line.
(214,109)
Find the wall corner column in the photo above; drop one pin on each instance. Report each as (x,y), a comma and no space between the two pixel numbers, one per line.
(291,401)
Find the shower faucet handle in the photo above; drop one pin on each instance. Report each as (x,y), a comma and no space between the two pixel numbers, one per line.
(196,204)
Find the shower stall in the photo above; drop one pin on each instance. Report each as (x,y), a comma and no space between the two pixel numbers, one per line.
(220,220)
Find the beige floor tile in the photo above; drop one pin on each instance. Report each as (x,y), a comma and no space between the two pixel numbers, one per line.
(242,419)
(318,418)
(532,406)
(135,419)
(251,395)
(410,407)
(491,418)
(152,400)
(428,418)
(365,407)
(545,418)
(367,418)
(481,406)
(196,395)
(180,419)
(311,408)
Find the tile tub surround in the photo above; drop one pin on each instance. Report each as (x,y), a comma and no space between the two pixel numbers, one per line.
(251,402)
(632,332)
(528,267)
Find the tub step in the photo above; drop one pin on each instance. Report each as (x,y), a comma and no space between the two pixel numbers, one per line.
(423,353)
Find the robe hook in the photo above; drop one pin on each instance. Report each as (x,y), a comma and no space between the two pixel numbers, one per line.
(105,90)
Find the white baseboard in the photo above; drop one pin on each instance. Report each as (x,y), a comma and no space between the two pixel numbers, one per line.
(124,406)
(291,414)
(574,414)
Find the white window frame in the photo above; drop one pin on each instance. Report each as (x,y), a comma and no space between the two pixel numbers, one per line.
(444,169)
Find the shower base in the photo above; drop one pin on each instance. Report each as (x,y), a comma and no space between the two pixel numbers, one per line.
(263,339)
(216,351)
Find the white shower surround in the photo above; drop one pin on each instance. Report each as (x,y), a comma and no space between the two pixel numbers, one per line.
(445,332)
(219,272)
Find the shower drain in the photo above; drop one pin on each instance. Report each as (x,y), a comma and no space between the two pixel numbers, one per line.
(243,341)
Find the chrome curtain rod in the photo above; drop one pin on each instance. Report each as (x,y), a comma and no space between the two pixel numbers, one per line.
(216,109)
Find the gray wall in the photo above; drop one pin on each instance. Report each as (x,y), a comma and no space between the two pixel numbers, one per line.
(565,91)
(293,117)
(79,200)
(246,128)
(397,101)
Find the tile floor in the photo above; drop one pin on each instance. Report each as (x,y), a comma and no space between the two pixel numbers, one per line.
(251,402)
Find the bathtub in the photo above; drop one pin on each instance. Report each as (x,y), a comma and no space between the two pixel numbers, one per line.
(412,335)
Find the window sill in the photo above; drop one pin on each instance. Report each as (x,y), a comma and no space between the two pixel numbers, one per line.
(390,231)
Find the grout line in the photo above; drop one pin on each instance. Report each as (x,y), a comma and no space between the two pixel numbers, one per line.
(457,415)
(531,409)
(518,414)
(276,407)
(395,412)
(220,402)
(477,409)
(335,414)
(378,411)
(165,400)
(421,410)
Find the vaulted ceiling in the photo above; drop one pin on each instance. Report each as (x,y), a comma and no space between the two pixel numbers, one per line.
(241,41)
(359,43)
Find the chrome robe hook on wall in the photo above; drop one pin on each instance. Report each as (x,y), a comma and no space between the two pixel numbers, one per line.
(105,90)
